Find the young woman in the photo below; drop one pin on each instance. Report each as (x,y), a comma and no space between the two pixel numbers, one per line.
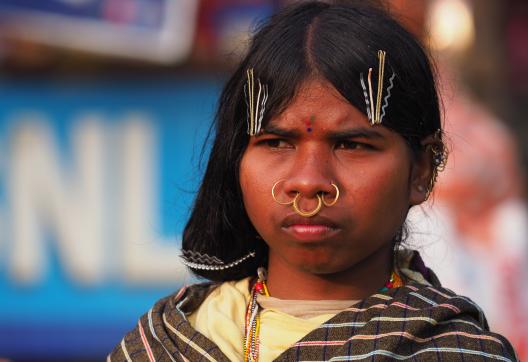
(326,134)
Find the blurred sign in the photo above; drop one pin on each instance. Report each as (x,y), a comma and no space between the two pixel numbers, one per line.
(96,183)
(157,30)
(224,26)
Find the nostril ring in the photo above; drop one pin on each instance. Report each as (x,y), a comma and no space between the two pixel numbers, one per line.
(275,197)
(333,202)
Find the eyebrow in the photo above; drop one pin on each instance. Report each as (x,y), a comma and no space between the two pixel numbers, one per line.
(282,132)
(358,132)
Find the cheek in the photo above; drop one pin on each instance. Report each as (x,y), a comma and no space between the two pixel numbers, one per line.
(256,191)
(384,195)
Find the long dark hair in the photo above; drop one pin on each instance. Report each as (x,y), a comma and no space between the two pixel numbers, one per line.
(333,40)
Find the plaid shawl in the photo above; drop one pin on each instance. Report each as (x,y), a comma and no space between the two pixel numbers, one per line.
(415,322)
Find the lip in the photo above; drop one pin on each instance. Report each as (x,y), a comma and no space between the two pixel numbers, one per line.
(315,228)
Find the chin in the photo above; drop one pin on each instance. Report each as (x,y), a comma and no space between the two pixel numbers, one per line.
(322,270)
(320,265)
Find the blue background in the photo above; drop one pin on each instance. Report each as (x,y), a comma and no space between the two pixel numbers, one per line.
(57,317)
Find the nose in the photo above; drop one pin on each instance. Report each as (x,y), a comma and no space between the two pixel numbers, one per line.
(309,176)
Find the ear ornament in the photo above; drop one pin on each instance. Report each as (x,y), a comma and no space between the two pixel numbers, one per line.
(440,156)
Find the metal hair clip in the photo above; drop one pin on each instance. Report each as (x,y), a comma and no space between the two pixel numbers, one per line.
(376,111)
(256,104)
(196,260)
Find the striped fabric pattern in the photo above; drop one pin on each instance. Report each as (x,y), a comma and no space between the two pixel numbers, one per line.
(411,323)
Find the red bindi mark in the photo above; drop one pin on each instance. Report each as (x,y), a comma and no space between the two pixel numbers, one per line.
(309,124)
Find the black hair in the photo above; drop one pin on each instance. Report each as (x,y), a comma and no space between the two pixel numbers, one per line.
(332,40)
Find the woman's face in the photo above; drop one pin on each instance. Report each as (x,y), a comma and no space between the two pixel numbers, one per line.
(318,140)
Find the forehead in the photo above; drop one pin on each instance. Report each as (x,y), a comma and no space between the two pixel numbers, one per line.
(318,102)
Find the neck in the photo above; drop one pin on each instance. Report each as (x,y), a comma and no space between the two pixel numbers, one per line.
(359,281)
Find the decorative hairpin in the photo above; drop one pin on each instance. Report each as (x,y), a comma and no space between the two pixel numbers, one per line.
(256,103)
(376,111)
(196,260)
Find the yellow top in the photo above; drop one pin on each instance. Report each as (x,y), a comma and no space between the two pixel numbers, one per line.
(221,318)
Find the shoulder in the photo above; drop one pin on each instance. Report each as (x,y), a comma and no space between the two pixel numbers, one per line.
(164,332)
(415,322)
(437,303)
(422,319)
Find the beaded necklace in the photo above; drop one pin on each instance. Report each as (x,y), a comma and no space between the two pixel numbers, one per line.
(252,329)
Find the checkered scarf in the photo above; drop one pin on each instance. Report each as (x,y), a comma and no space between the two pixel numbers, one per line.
(416,322)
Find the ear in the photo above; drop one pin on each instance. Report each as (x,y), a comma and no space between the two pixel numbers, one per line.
(422,172)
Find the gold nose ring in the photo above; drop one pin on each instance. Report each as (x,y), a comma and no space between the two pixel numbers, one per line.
(275,197)
(295,201)
(333,202)
(307,213)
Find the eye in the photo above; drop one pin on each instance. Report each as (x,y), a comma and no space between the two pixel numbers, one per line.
(276,143)
(352,145)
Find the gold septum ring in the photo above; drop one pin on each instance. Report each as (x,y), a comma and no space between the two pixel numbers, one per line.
(295,201)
